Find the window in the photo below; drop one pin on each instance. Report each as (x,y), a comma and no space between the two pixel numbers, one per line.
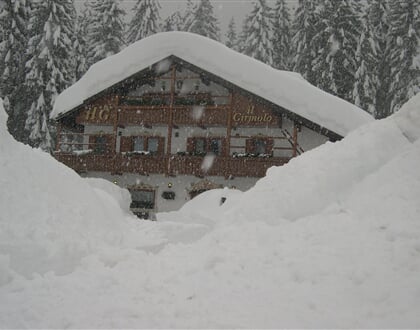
(259,146)
(216,146)
(202,146)
(152,145)
(142,199)
(168,195)
(142,145)
(100,145)
(138,144)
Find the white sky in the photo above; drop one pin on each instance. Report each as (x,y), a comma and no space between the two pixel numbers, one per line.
(224,9)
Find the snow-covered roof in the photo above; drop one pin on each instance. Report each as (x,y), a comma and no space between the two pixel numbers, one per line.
(286,89)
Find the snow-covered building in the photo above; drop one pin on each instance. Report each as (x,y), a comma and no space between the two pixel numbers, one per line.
(175,108)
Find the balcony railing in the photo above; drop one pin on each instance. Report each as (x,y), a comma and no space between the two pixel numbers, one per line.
(182,115)
(169,165)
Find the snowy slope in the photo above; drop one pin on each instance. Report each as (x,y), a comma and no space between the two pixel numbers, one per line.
(329,240)
(286,89)
(50,218)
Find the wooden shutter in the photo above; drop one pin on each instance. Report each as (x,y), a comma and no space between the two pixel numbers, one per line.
(127,143)
(223,148)
(190,144)
(92,140)
(249,146)
(161,145)
(270,145)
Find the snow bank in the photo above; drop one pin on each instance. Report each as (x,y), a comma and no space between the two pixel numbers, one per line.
(286,89)
(50,218)
(330,240)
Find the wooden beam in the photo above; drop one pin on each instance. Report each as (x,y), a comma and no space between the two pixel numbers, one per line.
(115,165)
(171,120)
(229,125)
(59,129)
(295,136)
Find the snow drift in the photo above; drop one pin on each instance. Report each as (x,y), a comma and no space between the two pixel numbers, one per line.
(50,218)
(329,240)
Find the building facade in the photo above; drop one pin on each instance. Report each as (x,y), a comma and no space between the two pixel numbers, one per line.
(163,129)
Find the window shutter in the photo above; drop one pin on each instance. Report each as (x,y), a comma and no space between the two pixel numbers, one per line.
(249,146)
(270,145)
(92,140)
(161,145)
(127,143)
(222,152)
(109,144)
(190,145)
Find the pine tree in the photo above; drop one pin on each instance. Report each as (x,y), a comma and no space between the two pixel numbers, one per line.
(231,37)
(204,22)
(13,22)
(378,21)
(256,35)
(189,14)
(404,33)
(173,22)
(304,23)
(145,21)
(335,42)
(364,92)
(49,65)
(106,31)
(80,44)
(281,36)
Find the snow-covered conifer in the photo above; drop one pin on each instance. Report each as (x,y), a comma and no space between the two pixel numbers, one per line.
(364,92)
(256,38)
(231,36)
(379,25)
(80,45)
(49,64)
(173,22)
(204,21)
(281,36)
(188,16)
(13,24)
(304,23)
(106,30)
(145,21)
(335,43)
(404,21)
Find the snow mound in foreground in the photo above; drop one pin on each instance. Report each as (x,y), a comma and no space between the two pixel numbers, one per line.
(50,218)
(329,240)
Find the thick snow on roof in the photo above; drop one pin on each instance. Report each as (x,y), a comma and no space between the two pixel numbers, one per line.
(286,89)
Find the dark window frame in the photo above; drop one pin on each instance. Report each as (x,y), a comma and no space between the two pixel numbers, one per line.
(145,204)
(207,146)
(252,146)
(147,144)
(101,144)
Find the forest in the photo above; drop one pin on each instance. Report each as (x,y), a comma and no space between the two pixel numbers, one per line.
(364,52)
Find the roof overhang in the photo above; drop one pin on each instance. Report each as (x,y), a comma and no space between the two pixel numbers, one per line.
(287,91)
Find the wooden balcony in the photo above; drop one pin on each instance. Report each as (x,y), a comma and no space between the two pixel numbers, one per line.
(173,165)
(182,115)
(143,115)
(206,115)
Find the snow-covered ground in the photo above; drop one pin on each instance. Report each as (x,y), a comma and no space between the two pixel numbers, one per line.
(331,239)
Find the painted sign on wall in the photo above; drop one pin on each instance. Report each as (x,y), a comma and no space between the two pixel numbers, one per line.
(250,117)
(100,113)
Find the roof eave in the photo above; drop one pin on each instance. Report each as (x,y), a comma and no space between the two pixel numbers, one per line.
(333,136)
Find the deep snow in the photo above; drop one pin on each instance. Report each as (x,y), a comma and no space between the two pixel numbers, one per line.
(331,239)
